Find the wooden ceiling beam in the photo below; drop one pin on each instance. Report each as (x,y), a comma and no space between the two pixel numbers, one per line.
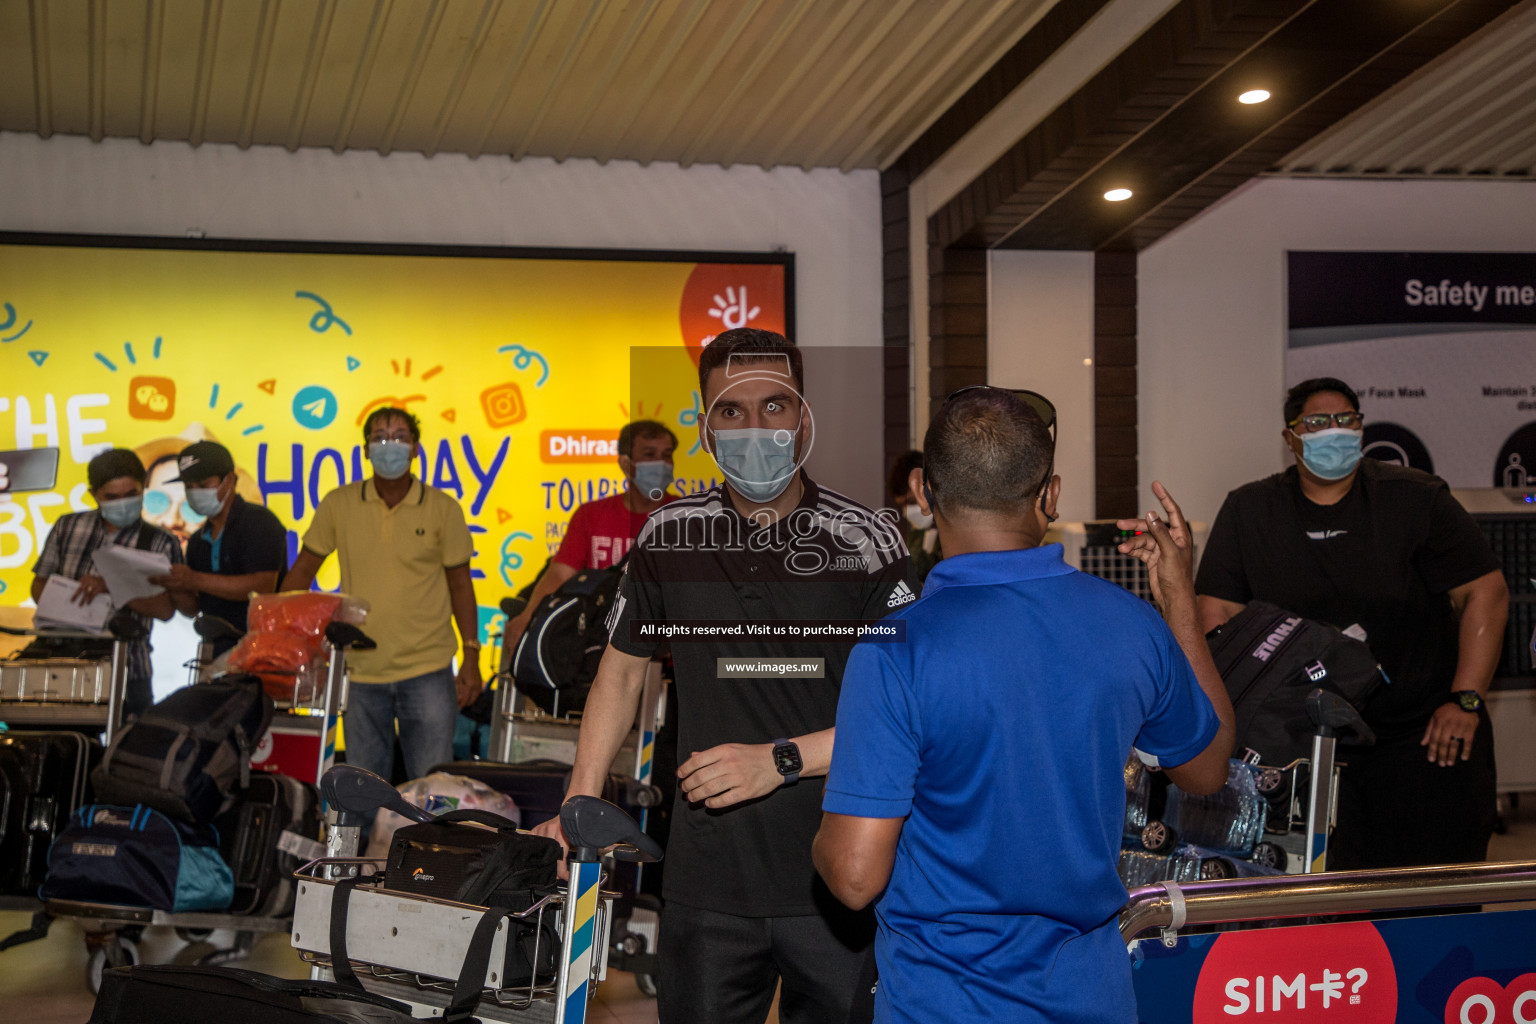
(489,10)
(747,136)
(256,80)
(659,67)
(412,76)
(683,103)
(552,85)
(149,85)
(727,103)
(599,89)
(509,78)
(325,14)
(202,82)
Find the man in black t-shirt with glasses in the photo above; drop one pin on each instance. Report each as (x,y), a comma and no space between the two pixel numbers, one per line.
(1351,541)
(745,910)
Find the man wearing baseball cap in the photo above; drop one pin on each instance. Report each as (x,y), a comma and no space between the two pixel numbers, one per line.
(240,550)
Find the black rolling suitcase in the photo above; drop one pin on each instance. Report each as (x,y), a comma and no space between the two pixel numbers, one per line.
(146,994)
(43,778)
(263,840)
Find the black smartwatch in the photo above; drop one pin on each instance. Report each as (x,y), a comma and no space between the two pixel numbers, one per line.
(1467,700)
(786,758)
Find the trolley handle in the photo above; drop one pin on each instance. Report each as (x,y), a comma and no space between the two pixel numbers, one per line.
(593,825)
(1332,715)
(343,634)
(357,794)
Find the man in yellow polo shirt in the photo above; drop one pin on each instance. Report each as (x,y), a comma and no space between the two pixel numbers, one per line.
(405,548)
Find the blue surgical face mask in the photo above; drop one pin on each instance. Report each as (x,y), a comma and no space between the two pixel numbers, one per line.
(1331,454)
(123,512)
(391,459)
(653,478)
(204,501)
(758,461)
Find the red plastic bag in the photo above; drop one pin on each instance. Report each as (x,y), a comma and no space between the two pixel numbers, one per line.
(304,614)
(285,646)
(284,661)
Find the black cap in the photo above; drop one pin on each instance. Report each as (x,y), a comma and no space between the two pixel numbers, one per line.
(202,460)
(111,464)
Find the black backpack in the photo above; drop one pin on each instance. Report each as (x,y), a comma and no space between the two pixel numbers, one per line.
(1270,659)
(557,657)
(186,755)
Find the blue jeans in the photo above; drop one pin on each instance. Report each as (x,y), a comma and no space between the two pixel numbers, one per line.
(427,708)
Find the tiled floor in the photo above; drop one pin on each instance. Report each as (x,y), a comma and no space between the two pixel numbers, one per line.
(44,982)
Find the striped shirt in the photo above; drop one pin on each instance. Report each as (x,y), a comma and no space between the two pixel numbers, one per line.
(68,552)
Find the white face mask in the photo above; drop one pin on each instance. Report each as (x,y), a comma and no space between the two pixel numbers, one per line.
(917,517)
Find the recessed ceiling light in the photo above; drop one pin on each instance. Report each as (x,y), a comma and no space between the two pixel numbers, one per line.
(1254,96)
(1116,195)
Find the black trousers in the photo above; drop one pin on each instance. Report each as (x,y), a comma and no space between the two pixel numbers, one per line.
(718,968)
(1397,809)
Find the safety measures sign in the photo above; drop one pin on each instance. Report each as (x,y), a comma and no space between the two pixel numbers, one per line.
(1439,348)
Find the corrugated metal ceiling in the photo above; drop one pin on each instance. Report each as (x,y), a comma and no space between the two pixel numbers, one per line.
(840,83)
(1470,113)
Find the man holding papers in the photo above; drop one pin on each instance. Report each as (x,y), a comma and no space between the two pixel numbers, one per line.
(116,479)
(240,550)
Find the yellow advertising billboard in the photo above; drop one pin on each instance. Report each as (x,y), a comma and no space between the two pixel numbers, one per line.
(517,362)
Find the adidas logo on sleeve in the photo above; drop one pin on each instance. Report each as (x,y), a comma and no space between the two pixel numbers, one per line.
(901,595)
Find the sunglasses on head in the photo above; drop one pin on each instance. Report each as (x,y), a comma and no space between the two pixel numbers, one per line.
(1042,406)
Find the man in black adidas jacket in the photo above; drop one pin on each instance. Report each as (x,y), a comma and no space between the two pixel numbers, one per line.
(768,548)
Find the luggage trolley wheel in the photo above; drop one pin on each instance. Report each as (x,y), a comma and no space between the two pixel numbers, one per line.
(113,951)
(1269,780)
(1158,837)
(1214,869)
(1270,855)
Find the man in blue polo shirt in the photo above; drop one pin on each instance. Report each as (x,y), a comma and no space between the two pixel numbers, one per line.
(976,791)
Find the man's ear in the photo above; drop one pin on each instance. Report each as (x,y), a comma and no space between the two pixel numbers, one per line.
(1051,496)
(915,482)
(627,466)
(1292,442)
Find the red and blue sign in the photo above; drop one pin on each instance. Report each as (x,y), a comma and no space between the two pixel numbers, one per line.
(1452,969)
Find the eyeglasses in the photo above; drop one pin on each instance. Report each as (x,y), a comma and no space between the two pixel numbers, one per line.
(1042,406)
(1324,420)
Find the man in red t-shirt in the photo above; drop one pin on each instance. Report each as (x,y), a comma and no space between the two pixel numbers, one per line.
(601,532)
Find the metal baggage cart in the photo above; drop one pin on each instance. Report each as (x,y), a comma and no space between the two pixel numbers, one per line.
(1303,809)
(413,948)
(522,731)
(112,932)
(72,693)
